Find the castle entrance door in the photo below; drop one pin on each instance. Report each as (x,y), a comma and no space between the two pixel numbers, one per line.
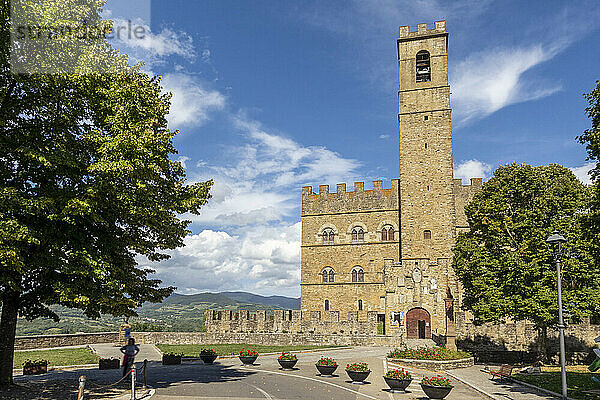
(418,324)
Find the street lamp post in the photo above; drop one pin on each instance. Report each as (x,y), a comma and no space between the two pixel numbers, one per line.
(554,243)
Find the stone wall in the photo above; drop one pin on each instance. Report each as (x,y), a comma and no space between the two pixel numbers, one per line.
(75,339)
(278,339)
(291,321)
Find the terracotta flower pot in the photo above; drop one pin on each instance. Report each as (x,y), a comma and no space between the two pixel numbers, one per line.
(208,358)
(287,364)
(248,360)
(358,376)
(397,384)
(327,370)
(436,392)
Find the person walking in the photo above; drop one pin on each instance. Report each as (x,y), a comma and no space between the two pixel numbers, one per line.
(130,350)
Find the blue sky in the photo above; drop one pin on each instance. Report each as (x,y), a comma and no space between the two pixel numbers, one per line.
(270,96)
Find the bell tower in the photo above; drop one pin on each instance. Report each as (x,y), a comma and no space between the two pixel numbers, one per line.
(427,214)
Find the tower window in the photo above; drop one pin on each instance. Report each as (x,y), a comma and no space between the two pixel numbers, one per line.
(427,234)
(328,276)
(423,66)
(326,305)
(360,305)
(426,117)
(387,233)
(425,145)
(358,235)
(328,236)
(358,274)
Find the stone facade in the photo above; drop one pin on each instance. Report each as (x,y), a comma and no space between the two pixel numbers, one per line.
(407,279)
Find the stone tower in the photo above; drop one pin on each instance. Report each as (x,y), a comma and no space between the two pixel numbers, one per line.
(427,215)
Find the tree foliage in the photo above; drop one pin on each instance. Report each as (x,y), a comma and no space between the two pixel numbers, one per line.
(87,185)
(503,262)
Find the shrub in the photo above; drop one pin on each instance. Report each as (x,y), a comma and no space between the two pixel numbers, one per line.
(248,353)
(428,353)
(34,363)
(358,367)
(437,380)
(287,356)
(400,374)
(330,362)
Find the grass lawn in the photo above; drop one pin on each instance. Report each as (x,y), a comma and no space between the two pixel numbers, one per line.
(75,356)
(577,382)
(193,350)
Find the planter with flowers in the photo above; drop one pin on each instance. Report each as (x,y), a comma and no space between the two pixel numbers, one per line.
(35,367)
(171,359)
(326,366)
(208,356)
(287,360)
(358,372)
(436,387)
(248,357)
(109,363)
(397,379)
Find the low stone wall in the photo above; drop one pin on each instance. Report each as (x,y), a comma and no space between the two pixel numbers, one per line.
(278,339)
(72,339)
(434,365)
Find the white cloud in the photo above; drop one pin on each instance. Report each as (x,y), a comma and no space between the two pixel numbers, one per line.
(384,136)
(150,46)
(487,81)
(471,169)
(263,259)
(191,102)
(582,173)
(261,181)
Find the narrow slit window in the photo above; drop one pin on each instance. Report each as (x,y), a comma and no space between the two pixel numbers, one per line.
(360,306)
(423,66)
(427,234)
(326,305)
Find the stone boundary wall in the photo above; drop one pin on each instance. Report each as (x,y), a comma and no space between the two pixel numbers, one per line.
(294,321)
(522,336)
(276,339)
(71,339)
(434,365)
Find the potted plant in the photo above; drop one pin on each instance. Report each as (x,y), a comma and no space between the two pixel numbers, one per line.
(326,366)
(109,363)
(397,379)
(287,360)
(358,372)
(248,357)
(171,359)
(436,387)
(35,367)
(208,356)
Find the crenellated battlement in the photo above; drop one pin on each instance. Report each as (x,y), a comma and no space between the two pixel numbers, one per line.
(406,33)
(291,321)
(463,194)
(358,199)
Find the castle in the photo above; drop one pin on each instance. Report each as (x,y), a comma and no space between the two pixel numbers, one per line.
(389,250)
(378,261)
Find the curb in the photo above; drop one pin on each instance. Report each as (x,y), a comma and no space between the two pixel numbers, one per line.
(19,371)
(473,386)
(546,391)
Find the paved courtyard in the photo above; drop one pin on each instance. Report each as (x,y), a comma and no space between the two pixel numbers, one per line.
(228,379)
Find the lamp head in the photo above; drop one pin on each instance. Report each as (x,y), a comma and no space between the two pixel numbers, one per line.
(555,238)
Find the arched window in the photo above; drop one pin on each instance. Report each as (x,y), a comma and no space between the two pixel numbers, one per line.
(360,305)
(328,275)
(387,233)
(358,235)
(328,236)
(427,234)
(423,66)
(358,274)
(326,305)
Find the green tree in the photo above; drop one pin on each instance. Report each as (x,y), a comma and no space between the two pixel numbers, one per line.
(87,186)
(503,262)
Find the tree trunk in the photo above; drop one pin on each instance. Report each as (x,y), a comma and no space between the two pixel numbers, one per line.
(8,329)
(542,344)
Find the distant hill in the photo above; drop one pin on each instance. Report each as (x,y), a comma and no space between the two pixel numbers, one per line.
(176,313)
